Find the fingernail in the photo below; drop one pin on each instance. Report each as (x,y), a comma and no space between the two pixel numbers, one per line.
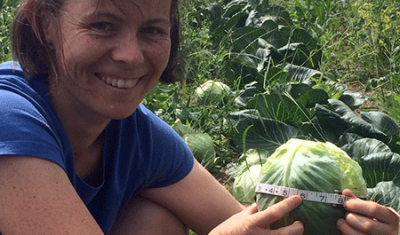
(345,204)
(394,211)
(340,222)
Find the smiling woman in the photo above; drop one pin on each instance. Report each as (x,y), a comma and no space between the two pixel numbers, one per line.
(79,154)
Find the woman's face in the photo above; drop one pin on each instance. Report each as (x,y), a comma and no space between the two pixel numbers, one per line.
(110,54)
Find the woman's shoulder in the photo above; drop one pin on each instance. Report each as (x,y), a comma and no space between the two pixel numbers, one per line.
(146,121)
(11,69)
(12,78)
(12,66)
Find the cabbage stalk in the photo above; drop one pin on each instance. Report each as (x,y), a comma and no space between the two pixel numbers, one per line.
(313,166)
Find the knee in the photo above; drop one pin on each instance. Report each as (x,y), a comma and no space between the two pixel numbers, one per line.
(142,216)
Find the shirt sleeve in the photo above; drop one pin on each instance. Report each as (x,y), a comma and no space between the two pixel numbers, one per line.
(170,159)
(24,130)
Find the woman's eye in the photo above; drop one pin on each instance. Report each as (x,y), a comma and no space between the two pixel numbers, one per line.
(104,26)
(151,30)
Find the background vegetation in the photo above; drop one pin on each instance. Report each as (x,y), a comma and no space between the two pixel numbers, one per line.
(359,41)
(321,69)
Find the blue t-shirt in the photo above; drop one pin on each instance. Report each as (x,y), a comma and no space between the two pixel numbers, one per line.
(140,151)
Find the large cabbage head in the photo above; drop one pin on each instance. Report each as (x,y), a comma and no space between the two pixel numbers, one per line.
(313,166)
(213,92)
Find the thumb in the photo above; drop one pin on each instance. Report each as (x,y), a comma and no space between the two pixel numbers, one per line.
(251,209)
(296,228)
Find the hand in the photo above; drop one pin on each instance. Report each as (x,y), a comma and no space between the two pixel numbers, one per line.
(249,221)
(367,217)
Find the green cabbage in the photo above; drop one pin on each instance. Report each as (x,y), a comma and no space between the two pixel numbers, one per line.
(213,92)
(313,166)
(245,184)
(246,175)
(202,147)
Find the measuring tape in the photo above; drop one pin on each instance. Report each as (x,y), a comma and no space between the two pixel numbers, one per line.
(331,198)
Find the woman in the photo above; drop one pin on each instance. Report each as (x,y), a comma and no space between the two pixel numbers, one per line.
(80,155)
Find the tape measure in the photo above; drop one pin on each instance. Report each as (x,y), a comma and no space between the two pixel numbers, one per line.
(331,198)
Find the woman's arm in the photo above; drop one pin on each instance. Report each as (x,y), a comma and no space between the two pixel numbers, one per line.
(36,197)
(199,200)
(367,217)
(203,204)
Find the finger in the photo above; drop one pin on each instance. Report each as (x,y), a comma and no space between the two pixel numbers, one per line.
(296,228)
(367,225)
(277,211)
(346,229)
(348,193)
(371,209)
(251,209)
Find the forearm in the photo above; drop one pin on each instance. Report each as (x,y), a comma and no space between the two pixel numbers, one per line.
(199,200)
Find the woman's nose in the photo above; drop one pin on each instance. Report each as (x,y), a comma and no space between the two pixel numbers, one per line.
(128,50)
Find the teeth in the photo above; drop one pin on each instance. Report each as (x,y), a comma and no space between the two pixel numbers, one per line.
(120,83)
(108,81)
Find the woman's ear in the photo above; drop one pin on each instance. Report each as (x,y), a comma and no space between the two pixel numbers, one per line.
(48,30)
(29,9)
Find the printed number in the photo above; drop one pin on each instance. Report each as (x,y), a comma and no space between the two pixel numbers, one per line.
(285,193)
(271,190)
(340,200)
(303,195)
(322,197)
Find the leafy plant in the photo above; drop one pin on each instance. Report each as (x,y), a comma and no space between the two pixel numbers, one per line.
(283,95)
(214,92)
(259,41)
(7,11)
(313,166)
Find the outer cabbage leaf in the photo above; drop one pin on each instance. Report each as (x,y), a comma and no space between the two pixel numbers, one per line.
(386,193)
(250,158)
(246,175)
(202,147)
(313,166)
(245,184)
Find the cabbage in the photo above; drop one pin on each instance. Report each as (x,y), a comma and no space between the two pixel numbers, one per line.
(245,184)
(213,92)
(202,147)
(182,129)
(313,166)
(246,175)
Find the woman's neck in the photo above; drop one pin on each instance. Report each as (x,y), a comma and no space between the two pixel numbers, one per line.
(82,126)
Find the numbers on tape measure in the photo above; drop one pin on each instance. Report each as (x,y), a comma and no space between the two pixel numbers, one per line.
(332,198)
(340,200)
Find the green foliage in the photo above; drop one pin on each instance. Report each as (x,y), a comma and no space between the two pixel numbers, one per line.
(7,11)
(257,41)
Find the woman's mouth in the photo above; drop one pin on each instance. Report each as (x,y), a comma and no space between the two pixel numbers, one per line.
(118,82)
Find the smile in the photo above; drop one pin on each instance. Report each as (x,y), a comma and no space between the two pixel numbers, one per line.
(118,82)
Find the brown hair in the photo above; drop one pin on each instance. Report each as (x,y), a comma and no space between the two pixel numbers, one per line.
(34,54)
